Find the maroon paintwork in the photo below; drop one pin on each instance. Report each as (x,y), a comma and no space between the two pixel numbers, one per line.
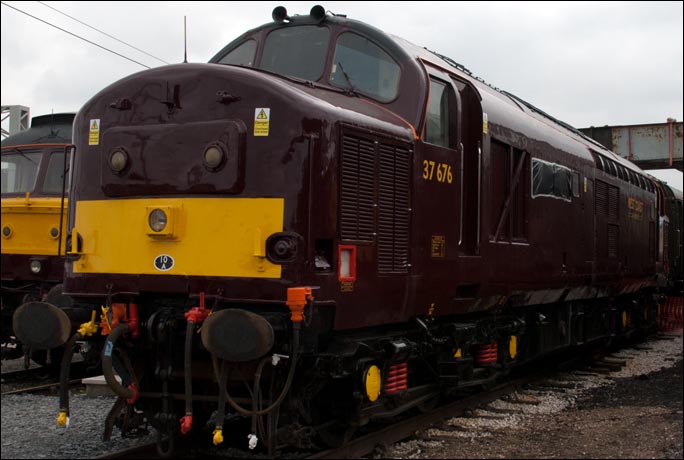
(427,246)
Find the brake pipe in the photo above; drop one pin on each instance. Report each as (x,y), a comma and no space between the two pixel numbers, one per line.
(297,300)
(85,330)
(130,394)
(221,412)
(195,315)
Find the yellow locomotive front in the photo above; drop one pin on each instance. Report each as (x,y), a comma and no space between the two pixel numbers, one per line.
(33,219)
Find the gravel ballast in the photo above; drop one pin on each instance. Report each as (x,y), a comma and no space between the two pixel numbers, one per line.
(29,428)
(635,412)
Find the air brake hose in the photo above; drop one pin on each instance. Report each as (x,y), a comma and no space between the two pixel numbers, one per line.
(63,417)
(85,330)
(221,412)
(107,366)
(195,315)
(186,421)
(224,395)
(288,382)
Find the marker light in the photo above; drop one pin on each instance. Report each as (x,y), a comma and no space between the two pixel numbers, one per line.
(347,263)
(36,266)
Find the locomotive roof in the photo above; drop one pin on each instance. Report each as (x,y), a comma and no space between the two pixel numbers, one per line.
(494,99)
(45,129)
(449,65)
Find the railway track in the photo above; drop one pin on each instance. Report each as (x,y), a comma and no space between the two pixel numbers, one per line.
(365,444)
(404,429)
(39,380)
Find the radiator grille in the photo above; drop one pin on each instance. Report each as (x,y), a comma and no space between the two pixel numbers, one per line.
(357,196)
(393,210)
(375,198)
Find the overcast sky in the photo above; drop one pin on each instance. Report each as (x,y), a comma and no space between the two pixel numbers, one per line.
(586,63)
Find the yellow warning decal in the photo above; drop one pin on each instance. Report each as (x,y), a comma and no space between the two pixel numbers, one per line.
(485,124)
(94,134)
(262,119)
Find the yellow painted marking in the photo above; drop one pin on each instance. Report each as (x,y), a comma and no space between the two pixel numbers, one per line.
(211,236)
(438,247)
(31,221)
(635,209)
(443,171)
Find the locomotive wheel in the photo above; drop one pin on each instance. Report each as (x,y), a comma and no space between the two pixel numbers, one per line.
(335,434)
(429,404)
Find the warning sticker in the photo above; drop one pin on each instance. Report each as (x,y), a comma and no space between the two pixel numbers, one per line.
(485,124)
(262,119)
(94,134)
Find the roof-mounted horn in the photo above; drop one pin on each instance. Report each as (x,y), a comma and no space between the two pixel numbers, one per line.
(317,13)
(280,14)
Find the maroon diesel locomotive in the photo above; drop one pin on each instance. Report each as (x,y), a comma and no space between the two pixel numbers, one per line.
(327,225)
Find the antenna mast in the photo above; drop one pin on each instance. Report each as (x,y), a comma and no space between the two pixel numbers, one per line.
(185,38)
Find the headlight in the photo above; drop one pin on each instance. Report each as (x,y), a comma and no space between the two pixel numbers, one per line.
(157,220)
(54,233)
(36,266)
(283,247)
(118,160)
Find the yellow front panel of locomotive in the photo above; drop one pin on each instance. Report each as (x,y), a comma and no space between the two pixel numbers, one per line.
(31,225)
(202,237)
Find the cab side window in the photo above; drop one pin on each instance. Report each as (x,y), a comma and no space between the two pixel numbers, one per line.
(55,174)
(438,123)
(243,55)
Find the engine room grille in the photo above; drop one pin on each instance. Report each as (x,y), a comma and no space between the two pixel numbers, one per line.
(613,240)
(375,198)
(357,195)
(393,210)
(606,200)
